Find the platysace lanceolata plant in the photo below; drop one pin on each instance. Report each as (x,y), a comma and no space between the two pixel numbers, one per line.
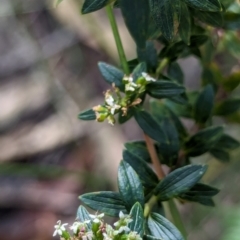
(164,32)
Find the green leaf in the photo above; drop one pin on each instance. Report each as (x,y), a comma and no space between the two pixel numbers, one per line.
(214,19)
(203,141)
(206,201)
(136,17)
(161,228)
(227,142)
(200,193)
(130,186)
(87,115)
(227,107)
(164,89)
(138,70)
(149,237)
(112,74)
(116,4)
(93,5)
(160,110)
(83,215)
(138,148)
(175,72)
(149,126)
(204,104)
(201,189)
(122,118)
(179,181)
(137,225)
(145,173)
(168,150)
(232,21)
(231,82)
(220,154)
(185,23)
(205,5)
(165,14)
(107,202)
(151,55)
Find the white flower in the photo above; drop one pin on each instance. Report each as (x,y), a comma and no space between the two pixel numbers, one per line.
(75,227)
(134,236)
(130,86)
(114,108)
(78,225)
(89,235)
(122,215)
(122,223)
(109,234)
(148,78)
(123,229)
(96,218)
(111,103)
(128,78)
(109,100)
(59,228)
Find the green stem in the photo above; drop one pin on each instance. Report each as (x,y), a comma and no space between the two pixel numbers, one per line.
(149,205)
(118,41)
(176,217)
(161,66)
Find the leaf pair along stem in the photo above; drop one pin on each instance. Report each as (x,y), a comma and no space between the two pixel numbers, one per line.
(149,142)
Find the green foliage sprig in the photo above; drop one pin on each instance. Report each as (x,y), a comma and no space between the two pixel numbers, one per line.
(182,28)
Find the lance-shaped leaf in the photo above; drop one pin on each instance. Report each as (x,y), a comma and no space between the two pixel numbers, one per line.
(149,237)
(204,104)
(138,70)
(175,72)
(220,154)
(130,186)
(124,118)
(136,16)
(214,19)
(200,193)
(165,14)
(227,142)
(110,203)
(93,5)
(83,215)
(227,107)
(111,74)
(146,174)
(151,55)
(168,150)
(137,224)
(139,148)
(161,228)
(87,115)
(185,23)
(179,181)
(203,141)
(205,5)
(164,89)
(149,126)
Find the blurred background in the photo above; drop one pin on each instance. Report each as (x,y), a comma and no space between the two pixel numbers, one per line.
(48,74)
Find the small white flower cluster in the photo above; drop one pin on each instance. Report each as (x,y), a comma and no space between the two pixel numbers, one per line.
(114,102)
(130,86)
(59,228)
(81,231)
